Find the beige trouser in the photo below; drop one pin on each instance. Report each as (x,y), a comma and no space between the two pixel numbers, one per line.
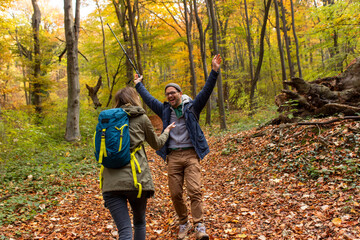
(185,165)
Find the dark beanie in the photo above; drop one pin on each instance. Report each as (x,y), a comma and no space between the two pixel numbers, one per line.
(174,85)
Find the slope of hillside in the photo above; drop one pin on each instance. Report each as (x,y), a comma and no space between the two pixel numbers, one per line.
(277,182)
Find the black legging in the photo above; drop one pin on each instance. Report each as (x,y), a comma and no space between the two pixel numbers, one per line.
(116,202)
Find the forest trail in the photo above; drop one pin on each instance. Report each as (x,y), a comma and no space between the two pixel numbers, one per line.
(253,189)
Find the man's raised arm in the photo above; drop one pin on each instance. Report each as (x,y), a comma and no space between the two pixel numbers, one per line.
(149,100)
(205,93)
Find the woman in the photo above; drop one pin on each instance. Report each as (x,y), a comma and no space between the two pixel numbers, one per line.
(118,184)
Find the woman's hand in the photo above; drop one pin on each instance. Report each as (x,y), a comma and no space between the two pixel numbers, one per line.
(171,126)
(138,79)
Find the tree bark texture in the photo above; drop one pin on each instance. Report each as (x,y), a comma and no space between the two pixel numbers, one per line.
(72,35)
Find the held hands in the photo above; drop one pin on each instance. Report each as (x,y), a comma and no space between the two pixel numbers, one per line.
(171,126)
(138,79)
(215,64)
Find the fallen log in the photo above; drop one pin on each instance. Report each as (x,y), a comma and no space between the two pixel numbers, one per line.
(320,98)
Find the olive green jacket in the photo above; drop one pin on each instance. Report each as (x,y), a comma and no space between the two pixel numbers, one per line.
(141,130)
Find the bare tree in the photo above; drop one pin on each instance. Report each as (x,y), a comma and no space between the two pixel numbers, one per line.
(72,36)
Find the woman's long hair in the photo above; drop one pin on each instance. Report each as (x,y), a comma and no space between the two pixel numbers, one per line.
(127,95)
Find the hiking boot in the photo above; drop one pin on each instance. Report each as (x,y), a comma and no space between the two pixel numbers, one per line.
(201,232)
(183,230)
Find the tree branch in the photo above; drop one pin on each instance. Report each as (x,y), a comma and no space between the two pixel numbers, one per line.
(163,20)
(330,121)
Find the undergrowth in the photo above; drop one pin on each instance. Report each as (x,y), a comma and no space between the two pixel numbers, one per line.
(37,165)
(239,120)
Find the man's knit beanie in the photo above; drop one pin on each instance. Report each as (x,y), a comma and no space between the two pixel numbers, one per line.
(174,85)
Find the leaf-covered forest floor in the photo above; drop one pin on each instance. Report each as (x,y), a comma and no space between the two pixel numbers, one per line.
(276,182)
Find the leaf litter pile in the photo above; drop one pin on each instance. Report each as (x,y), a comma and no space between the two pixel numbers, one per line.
(275,182)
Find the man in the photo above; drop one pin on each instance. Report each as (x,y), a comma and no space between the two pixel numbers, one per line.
(185,147)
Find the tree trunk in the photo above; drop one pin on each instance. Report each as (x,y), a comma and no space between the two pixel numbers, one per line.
(248,40)
(202,38)
(114,82)
(261,57)
(120,10)
(131,20)
(237,62)
(281,49)
(93,93)
(219,80)
(296,39)
(25,87)
(188,24)
(287,40)
(134,34)
(103,44)
(72,35)
(23,70)
(334,51)
(224,52)
(36,85)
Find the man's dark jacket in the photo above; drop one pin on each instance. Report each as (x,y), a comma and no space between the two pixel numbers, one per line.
(191,112)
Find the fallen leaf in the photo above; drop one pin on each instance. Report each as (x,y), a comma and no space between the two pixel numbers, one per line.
(336,221)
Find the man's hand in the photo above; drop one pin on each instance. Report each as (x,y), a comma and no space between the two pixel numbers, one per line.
(216,62)
(138,79)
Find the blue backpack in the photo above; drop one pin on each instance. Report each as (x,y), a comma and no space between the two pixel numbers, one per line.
(112,138)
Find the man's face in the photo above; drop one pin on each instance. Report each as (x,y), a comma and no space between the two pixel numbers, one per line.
(173,96)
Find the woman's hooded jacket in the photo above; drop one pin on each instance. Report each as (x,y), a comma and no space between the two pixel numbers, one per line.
(141,130)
